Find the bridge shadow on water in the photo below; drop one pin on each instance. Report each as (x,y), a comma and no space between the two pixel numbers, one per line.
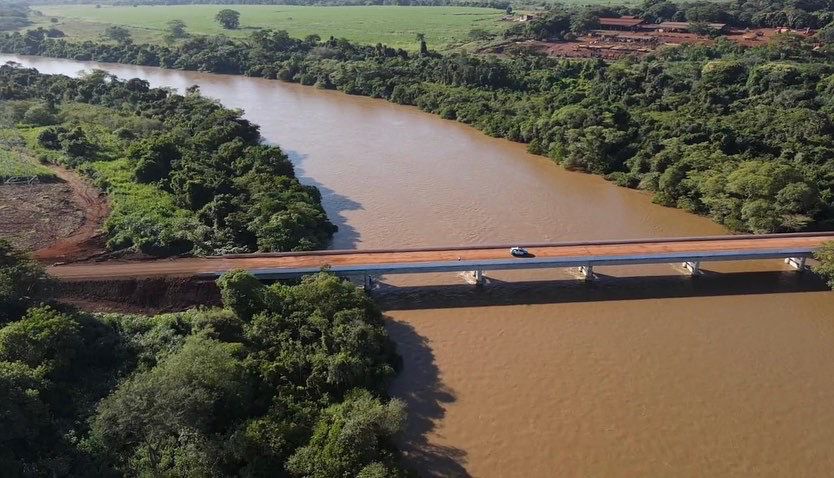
(334,203)
(605,288)
(420,387)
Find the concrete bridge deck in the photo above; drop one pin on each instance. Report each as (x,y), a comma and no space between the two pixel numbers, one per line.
(477,259)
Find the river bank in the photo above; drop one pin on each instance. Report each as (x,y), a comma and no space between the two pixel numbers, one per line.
(662,124)
(650,376)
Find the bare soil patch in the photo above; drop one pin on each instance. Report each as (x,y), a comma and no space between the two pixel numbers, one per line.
(33,216)
(611,45)
(59,221)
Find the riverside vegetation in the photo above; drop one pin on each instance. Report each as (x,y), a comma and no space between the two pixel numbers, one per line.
(742,135)
(282,381)
(183,173)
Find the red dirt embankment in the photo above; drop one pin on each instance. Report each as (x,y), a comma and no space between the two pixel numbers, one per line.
(138,296)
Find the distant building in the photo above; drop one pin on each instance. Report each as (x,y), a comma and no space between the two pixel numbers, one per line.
(527,17)
(627,23)
(609,36)
(681,27)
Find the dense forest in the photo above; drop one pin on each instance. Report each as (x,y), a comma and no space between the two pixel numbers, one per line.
(183,173)
(741,135)
(282,381)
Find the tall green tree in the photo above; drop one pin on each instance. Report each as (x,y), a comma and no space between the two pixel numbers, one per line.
(825,266)
(22,281)
(165,421)
(228,18)
(176,29)
(353,438)
(118,34)
(424,49)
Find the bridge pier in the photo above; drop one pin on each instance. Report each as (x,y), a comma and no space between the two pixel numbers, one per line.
(476,277)
(367,282)
(586,272)
(693,267)
(797,263)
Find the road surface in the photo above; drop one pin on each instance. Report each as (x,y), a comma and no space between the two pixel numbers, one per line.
(497,256)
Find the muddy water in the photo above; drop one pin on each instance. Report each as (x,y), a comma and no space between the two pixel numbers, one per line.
(729,374)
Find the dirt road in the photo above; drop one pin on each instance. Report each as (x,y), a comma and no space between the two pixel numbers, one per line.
(191,267)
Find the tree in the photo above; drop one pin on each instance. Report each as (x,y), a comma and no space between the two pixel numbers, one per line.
(24,419)
(583,23)
(76,144)
(424,50)
(153,157)
(176,29)
(40,114)
(353,438)
(228,18)
(658,10)
(825,267)
(118,34)
(826,33)
(170,420)
(242,293)
(322,334)
(43,338)
(50,138)
(54,366)
(703,28)
(21,282)
(774,196)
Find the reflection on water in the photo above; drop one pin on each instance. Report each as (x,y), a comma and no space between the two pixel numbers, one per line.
(724,375)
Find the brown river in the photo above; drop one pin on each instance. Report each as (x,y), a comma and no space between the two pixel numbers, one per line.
(645,372)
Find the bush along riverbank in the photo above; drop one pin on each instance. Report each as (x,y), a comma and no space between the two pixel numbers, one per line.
(182,173)
(283,381)
(742,135)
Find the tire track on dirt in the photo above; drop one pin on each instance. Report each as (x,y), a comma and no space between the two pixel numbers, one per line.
(87,240)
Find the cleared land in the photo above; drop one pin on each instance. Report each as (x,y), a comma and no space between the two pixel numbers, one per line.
(58,220)
(33,216)
(612,45)
(444,27)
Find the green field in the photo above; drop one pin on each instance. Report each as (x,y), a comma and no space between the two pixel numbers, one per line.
(15,164)
(444,27)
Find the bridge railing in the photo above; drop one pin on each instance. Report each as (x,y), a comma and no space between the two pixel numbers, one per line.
(531,263)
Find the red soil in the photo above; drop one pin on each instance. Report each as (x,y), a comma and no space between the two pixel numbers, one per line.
(86,241)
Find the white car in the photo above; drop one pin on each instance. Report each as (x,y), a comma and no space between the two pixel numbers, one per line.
(519,252)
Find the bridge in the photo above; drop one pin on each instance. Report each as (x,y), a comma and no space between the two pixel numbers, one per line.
(690,252)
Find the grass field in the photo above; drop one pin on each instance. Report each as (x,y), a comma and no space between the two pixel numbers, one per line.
(444,27)
(15,164)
